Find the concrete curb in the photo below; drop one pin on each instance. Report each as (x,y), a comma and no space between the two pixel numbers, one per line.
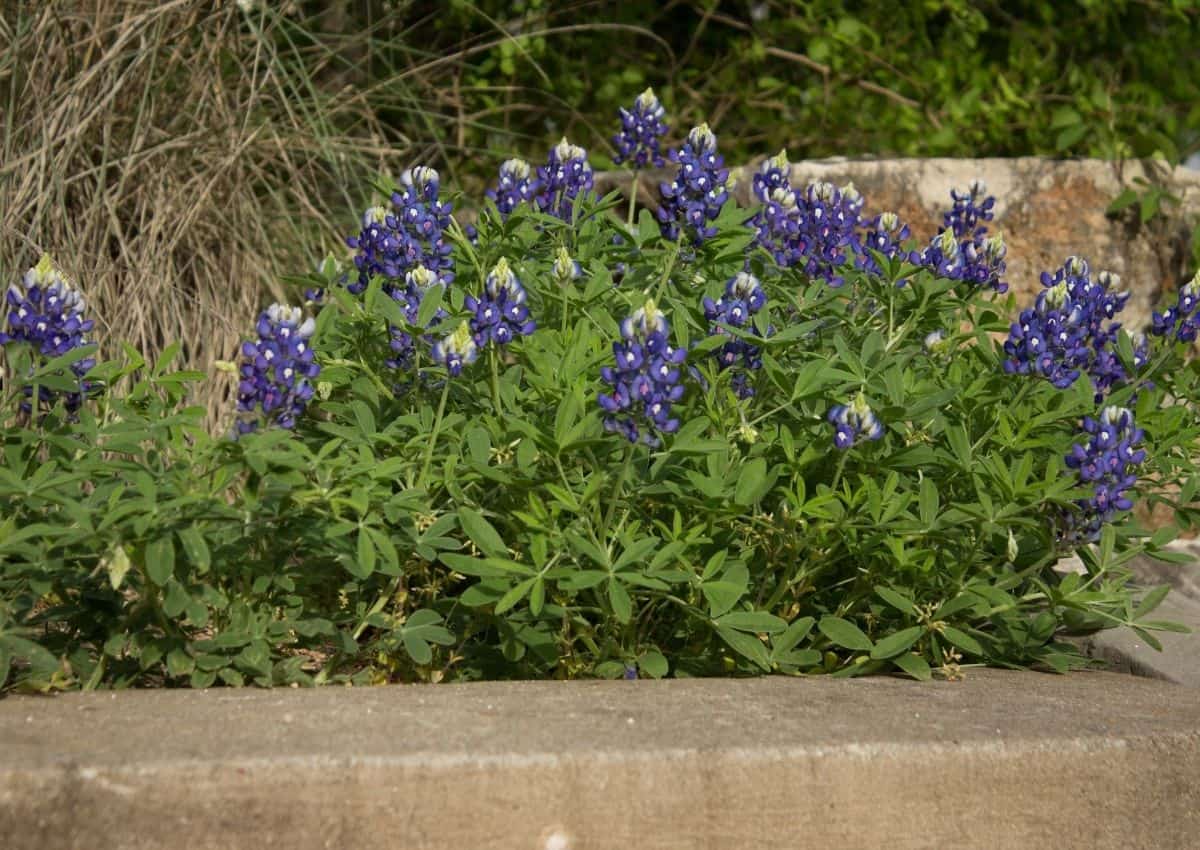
(1000,760)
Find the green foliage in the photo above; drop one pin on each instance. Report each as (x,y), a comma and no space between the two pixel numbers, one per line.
(819,77)
(487,526)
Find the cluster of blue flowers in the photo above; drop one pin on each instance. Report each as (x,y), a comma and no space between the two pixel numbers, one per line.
(1069,331)
(743,299)
(642,128)
(693,200)
(816,231)
(500,313)
(276,370)
(1181,321)
(854,422)
(411,234)
(516,185)
(47,313)
(645,379)
(962,250)
(1105,462)
(566,176)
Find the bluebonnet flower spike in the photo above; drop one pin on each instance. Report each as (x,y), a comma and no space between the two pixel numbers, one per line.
(642,128)
(500,313)
(47,313)
(644,380)
(276,370)
(854,421)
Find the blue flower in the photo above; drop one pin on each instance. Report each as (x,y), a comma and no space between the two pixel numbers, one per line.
(970,208)
(47,313)
(853,421)
(516,185)
(411,234)
(885,235)
(642,128)
(962,250)
(1182,320)
(456,350)
(1068,332)
(276,370)
(566,176)
(500,313)
(743,298)
(645,380)
(417,282)
(1105,462)
(816,231)
(693,200)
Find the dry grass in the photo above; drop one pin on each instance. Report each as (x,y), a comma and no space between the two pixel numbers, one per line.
(173,157)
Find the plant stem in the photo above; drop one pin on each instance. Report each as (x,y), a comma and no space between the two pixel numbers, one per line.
(495,379)
(837,476)
(617,492)
(666,275)
(633,193)
(437,426)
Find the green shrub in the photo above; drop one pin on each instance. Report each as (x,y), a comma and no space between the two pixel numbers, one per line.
(837,466)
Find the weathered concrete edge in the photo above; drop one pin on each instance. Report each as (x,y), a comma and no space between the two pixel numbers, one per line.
(1095,761)
(1128,793)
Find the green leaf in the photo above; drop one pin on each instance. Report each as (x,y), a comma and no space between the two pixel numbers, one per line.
(915,666)
(363,563)
(962,640)
(753,621)
(795,633)
(844,633)
(622,604)
(897,643)
(431,302)
(195,549)
(751,483)
(746,646)
(928,502)
(117,564)
(482,533)
(896,599)
(1151,601)
(160,559)
(653,663)
(417,649)
(514,595)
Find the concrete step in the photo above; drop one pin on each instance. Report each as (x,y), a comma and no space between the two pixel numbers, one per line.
(998,760)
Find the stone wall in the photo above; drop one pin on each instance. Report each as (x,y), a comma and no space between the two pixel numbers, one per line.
(1046,209)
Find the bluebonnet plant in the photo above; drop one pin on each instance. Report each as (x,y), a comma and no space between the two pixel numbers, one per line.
(962,250)
(1068,332)
(516,185)
(693,200)
(47,313)
(743,299)
(642,128)
(500,313)
(1105,462)
(854,422)
(566,176)
(644,381)
(276,370)
(1181,321)
(417,282)
(411,234)
(456,350)
(885,236)
(776,223)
